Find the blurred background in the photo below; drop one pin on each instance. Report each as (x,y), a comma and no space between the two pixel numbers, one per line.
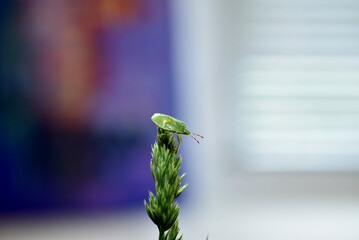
(272,85)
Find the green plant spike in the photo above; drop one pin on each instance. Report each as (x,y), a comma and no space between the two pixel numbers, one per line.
(165,164)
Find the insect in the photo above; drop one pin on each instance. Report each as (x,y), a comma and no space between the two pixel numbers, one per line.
(172,124)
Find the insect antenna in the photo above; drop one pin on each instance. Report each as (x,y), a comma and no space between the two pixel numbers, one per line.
(197,135)
(194,138)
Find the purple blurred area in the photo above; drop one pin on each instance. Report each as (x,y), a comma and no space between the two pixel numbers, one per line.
(79,81)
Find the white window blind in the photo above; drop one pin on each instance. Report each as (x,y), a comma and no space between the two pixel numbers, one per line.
(297,85)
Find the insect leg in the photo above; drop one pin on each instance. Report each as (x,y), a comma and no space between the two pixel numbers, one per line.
(159,135)
(179,139)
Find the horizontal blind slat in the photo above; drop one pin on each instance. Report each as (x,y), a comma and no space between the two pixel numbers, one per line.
(297,84)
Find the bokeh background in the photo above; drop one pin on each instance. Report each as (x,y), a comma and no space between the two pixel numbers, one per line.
(79,82)
(272,85)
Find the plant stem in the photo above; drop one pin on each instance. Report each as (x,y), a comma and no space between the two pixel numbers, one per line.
(162,236)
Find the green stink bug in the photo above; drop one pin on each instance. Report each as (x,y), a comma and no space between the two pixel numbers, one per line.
(172,124)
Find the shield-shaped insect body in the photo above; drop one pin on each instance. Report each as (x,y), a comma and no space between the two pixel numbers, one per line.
(172,124)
